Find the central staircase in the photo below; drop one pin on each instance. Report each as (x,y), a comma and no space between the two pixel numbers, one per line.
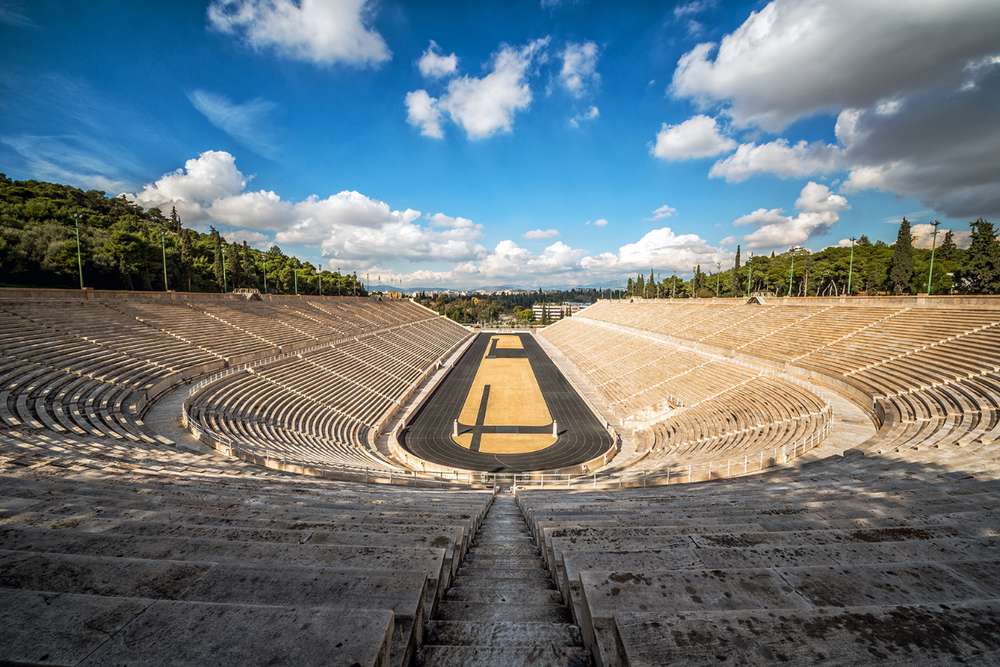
(502,608)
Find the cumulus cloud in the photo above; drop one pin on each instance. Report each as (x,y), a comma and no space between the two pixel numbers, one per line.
(662,213)
(697,137)
(211,176)
(779,158)
(433,65)
(482,106)
(592,113)
(422,111)
(788,60)
(923,236)
(940,147)
(253,239)
(535,234)
(578,74)
(247,123)
(323,32)
(819,209)
(659,249)
(347,226)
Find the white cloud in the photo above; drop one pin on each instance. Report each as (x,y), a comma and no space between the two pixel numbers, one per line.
(578,74)
(347,226)
(817,198)
(923,236)
(789,60)
(253,239)
(535,234)
(422,111)
(433,65)
(779,158)
(481,106)
(819,209)
(74,159)
(323,32)
(660,249)
(600,222)
(246,122)
(691,8)
(592,113)
(487,105)
(662,213)
(192,189)
(697,137)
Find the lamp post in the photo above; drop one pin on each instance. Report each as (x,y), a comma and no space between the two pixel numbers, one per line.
(163,251)
(225,288)
(749,274)
(718,277)
(295,280)
(930,271)
(850,267)
(79,254)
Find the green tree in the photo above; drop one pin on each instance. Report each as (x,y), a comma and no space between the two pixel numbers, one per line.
(980,273)
(901,268)
(218,270)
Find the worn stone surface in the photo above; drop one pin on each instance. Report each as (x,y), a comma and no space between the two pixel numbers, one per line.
(899,635)
(59,629)
(220,634)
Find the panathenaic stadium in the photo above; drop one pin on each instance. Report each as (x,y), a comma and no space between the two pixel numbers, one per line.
(217,479)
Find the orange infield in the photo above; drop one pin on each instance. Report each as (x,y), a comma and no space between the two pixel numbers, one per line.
(513,398)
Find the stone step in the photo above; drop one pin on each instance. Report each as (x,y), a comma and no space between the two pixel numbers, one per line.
(504,592)
(502,633)
(96,630)
(496,549)
(461,610)
(505,656)
(502,562)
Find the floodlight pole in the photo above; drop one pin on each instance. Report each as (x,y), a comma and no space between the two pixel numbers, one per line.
(79,254)
(319,280)
(850,267)
(930,272)
(163,251)
(295,279)
(718,278)
(225,287)
(749,274)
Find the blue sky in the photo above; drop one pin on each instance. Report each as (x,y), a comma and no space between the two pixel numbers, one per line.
(328,128)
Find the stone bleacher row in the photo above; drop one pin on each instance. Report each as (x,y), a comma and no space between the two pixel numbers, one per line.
(932,374)
(856,560)
(697,409)
(890,553)
(321,408)
(118,547)
(121,552)
(90,367)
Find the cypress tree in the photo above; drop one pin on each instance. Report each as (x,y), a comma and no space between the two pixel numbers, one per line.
(948,249)
(901,268)
(217,269)
(187,259)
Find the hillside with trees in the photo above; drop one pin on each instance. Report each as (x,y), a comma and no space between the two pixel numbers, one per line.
(875,268)
(123,246)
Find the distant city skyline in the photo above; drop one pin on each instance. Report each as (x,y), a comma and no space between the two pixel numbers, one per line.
(531,144)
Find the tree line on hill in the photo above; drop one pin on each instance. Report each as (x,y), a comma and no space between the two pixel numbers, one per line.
(123,246)
(870,269)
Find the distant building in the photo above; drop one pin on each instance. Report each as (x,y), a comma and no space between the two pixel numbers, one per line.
(556,311)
